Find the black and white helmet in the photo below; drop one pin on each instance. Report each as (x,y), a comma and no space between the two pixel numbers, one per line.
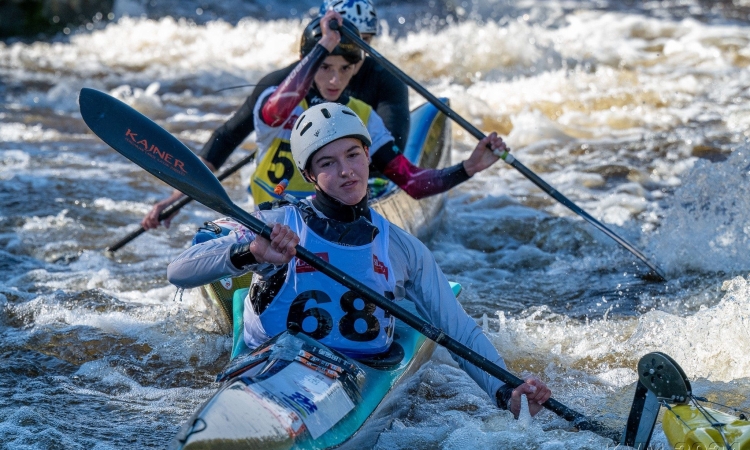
(346,48)
(360,12)
(321,125)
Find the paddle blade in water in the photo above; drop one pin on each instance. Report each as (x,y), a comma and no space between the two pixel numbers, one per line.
(145,143)
(643,414)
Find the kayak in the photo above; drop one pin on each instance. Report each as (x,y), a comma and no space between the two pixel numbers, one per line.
(428,145)
(687,423)
(295,393)
(690,427)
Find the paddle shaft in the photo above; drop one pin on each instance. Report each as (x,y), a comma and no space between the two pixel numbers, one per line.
(421,325)
(148,145)
(176,206)
(506,156)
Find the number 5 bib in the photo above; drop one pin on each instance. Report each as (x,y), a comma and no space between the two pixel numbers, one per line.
(276,163)
(326,310)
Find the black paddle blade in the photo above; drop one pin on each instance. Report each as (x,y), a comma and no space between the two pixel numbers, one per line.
(145,143)
(643,414)
(661,374)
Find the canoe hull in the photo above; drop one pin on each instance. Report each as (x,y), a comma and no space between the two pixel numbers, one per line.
(686,428)
(300,406)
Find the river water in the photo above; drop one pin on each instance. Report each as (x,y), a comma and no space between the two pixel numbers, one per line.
(637,111)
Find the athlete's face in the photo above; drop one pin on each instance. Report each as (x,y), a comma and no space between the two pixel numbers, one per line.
(333,76)
(341,168)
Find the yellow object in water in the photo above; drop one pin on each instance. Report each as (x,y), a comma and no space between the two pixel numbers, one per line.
(687,428)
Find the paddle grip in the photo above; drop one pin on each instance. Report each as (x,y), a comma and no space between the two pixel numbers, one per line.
(403,77)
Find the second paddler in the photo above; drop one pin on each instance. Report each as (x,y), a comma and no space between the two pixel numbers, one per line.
(326,66)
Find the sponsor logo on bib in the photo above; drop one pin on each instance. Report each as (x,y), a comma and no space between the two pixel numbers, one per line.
(303,267)
(379,266)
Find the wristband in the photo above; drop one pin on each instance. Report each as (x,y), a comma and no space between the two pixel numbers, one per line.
(241,256)
(503,396)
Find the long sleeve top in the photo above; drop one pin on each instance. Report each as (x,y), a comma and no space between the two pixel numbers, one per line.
(419,279)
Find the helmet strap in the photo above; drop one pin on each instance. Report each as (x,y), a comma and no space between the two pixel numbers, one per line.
(310,179)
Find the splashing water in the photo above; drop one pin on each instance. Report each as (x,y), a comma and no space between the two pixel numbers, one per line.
(712,207)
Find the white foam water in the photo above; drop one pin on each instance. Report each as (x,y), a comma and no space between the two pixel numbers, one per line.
(715,223)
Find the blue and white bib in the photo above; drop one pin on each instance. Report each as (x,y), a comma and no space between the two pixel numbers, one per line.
(324,309)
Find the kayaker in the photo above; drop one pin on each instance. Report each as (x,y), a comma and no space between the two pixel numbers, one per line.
(371,83)
(330,146)
(323,75)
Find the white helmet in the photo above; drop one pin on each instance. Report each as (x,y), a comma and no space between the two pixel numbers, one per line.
(321,125)
(360,12)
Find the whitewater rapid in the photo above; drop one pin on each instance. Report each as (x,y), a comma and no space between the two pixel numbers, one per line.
(640,118)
